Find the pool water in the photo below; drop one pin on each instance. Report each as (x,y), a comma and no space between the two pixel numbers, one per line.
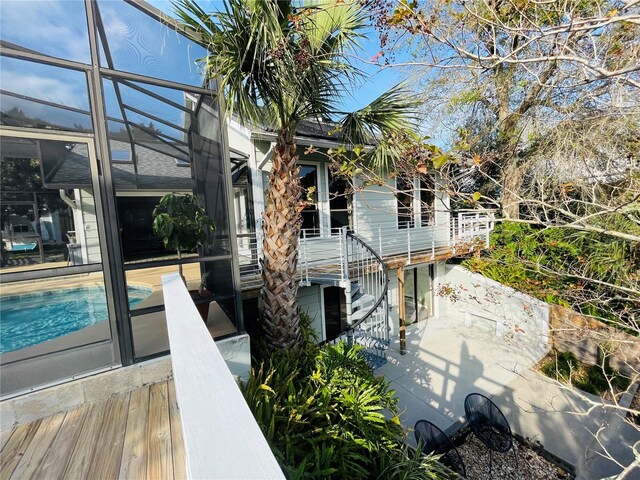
(29,319)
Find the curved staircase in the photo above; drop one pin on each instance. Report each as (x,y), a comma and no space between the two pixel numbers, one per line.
(360,271)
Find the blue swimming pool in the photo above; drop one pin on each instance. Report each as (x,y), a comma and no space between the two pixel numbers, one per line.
(29,319)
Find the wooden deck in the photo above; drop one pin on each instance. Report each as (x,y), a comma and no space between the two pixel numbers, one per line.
(132,435)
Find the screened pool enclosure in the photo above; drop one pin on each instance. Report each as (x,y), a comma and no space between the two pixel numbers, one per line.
(103,111)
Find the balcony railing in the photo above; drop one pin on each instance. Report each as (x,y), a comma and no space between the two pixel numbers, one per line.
(464,230)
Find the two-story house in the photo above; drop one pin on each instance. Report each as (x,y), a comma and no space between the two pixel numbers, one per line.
(368,255)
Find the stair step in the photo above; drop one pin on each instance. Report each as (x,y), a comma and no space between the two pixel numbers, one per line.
(326,279)
(355,296)
(362,301)
(372,328)
(371,343)
(356,316)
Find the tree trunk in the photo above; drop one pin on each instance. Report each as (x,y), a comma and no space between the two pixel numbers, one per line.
(507,142)
(281,227)
(184,280)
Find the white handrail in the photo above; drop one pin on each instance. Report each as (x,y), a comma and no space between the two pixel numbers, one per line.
(323,247)
(221,437)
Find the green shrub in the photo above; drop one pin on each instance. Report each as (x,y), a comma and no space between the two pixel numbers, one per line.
(322,411)
(566,368)
(556,265)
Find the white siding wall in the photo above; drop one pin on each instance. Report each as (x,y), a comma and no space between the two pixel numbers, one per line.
(86,226)
(376,205)
(375,220)
(310,302)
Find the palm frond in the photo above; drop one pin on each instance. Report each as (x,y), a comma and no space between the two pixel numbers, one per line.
(393,111)
(241,41)
(335,27)
(279,64)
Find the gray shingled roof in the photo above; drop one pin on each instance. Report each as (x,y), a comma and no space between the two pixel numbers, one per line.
(156,171)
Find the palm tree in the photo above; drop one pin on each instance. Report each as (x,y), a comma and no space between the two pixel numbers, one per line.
(278,64)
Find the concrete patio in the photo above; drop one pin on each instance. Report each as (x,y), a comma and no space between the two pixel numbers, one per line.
(572,424)
(446,360)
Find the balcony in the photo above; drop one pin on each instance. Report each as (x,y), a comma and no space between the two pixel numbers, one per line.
(397,244)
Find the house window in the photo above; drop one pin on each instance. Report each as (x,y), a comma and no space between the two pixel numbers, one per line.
(310,213)
(120,156)
(339,203)
(404,202)
(415,201)
(427,201)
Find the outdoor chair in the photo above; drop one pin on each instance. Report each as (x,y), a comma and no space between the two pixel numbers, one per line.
(433,440)
(489,424)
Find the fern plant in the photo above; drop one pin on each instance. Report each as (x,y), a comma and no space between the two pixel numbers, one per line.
(322,411)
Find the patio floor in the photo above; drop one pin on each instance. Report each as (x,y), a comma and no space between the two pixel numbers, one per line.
(136,434)
(446,360)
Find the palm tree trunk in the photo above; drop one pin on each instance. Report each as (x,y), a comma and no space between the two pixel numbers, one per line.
(281,227)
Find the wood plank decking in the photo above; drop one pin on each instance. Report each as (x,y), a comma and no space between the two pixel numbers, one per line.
(136,434)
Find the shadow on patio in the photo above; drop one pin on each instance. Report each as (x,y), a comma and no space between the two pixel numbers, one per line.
(446,361)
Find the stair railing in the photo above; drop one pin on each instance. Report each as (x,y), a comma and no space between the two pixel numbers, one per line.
(367,326)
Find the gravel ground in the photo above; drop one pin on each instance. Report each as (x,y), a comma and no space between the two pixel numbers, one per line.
(531,466)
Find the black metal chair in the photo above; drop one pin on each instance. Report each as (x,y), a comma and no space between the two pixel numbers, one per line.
(489,424)
(433,440)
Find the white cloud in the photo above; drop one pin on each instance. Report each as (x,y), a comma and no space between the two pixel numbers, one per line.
(55,27)
(59,91)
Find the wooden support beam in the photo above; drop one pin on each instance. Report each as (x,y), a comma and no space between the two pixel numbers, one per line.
(401,312)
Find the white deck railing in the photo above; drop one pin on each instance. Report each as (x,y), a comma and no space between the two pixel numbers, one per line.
(222,439)
(464,228)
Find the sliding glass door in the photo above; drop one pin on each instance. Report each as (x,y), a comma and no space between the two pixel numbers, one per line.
(418,293)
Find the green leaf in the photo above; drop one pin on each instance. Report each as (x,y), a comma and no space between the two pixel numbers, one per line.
(440,160)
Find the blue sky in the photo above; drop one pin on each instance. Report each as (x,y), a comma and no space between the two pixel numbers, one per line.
(137,44)
(377,82)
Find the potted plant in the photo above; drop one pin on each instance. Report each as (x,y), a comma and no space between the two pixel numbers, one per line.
(182,224)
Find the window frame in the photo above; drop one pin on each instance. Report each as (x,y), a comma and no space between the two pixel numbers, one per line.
(419,218)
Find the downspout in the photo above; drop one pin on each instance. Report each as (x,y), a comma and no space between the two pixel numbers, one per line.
(65,198)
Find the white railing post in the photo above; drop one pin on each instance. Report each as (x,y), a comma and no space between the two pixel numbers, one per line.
(454,229)
(344,274)
(344,254)
(305,264)
(380,240)
(433,242)
(486,226)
